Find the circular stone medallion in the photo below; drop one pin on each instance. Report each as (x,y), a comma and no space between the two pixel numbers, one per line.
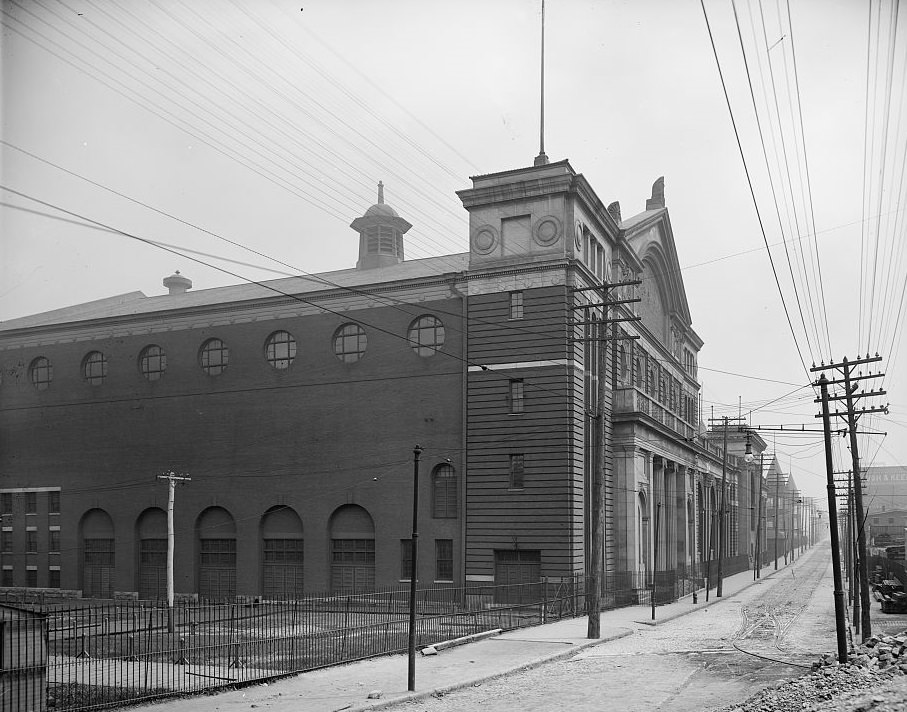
(484,240)
(547,231)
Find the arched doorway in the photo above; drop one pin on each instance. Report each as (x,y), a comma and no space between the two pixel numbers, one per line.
(352,550)
(98,545)
(216,535)
(282,553)
(151,535)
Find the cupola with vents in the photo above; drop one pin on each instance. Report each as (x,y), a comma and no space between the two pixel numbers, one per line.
(381,233)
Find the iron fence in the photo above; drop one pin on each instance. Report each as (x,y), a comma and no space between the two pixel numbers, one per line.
(102,654)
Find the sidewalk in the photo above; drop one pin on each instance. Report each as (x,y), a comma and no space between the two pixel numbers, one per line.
(346,687)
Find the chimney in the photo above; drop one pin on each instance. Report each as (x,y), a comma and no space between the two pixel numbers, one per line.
(177,284)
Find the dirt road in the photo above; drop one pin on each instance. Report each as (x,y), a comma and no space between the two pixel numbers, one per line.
(770,632)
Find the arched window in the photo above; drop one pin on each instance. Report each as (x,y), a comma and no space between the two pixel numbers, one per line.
(280,349)
(213,357)
(94,368)
(444,492)
(282,553)
(151,534)
(152,362)
(350,341)
(426,335)
(352,550)
(216,537)
(98,554)
(41,372)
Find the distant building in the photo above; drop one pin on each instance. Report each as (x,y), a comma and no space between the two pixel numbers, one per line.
(885,488)
(784,521)
(887,528)
(295,407)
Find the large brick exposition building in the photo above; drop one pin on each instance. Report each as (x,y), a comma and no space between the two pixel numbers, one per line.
(295,405)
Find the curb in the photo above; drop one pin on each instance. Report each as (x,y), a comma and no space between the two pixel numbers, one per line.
(473,682)
(439,691)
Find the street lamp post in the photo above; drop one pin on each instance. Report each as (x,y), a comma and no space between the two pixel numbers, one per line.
(411,679)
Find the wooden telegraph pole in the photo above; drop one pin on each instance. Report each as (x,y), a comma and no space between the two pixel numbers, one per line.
(598,336)
(172,479)
(850,381)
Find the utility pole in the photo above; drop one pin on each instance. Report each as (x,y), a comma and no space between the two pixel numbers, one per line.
(759,521)
(172,478)
(840,613)
(852,415)
(599,339)
(722,523)
(777,495)
(722,508)
(413,572)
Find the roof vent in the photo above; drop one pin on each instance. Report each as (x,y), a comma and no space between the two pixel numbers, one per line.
(177,284)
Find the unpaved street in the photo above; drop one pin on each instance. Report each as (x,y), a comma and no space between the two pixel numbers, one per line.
(716,656)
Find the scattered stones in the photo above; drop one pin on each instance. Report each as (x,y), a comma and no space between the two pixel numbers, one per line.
(874,678)
(375,695)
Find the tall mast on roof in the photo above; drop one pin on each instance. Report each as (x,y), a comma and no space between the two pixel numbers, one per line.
(542,159)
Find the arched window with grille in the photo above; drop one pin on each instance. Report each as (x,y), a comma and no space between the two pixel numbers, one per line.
(444,492)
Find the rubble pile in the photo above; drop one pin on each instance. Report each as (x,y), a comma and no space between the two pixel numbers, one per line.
(877,653)
(873,678)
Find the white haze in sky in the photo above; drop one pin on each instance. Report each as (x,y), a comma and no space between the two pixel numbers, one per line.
(269,124)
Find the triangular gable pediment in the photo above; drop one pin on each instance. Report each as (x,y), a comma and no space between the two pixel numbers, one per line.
(650,237)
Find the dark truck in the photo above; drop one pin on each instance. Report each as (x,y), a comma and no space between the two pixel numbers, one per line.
(890,593)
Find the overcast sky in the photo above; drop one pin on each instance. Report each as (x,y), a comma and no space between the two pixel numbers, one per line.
(269,124)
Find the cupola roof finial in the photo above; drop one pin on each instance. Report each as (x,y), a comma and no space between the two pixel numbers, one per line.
(380,192)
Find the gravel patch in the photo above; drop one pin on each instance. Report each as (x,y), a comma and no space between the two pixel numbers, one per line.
(873,680)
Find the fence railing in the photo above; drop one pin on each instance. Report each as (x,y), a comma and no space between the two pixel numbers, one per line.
(102,654)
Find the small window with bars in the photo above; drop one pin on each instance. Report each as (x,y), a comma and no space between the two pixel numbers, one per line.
(283,551)
(99,552)
(31,502)
(443,559)
(406,559)
(516,396)
(153,552)
(516,305)
(53,502)
(517,472)
(218,553)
